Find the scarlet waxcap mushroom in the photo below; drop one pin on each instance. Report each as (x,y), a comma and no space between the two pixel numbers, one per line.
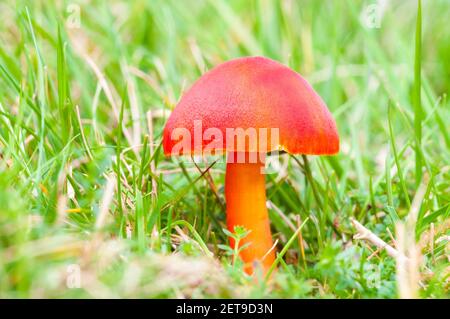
(251,93)
(255,92)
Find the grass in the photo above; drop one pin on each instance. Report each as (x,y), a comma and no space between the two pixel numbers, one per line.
(90,207)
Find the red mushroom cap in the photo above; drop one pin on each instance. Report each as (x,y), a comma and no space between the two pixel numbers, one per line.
(255,92)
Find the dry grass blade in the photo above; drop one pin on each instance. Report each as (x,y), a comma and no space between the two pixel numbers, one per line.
(408,269)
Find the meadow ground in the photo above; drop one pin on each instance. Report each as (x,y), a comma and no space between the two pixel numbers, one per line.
(90,207)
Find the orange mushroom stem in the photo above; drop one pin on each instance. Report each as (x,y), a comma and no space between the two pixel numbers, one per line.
(245,194)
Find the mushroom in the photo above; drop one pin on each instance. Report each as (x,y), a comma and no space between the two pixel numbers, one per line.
(233,101)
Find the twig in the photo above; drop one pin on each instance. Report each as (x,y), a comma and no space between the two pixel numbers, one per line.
(374,252)
(394,242)
(365,234)
(271,205)
(207,176)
